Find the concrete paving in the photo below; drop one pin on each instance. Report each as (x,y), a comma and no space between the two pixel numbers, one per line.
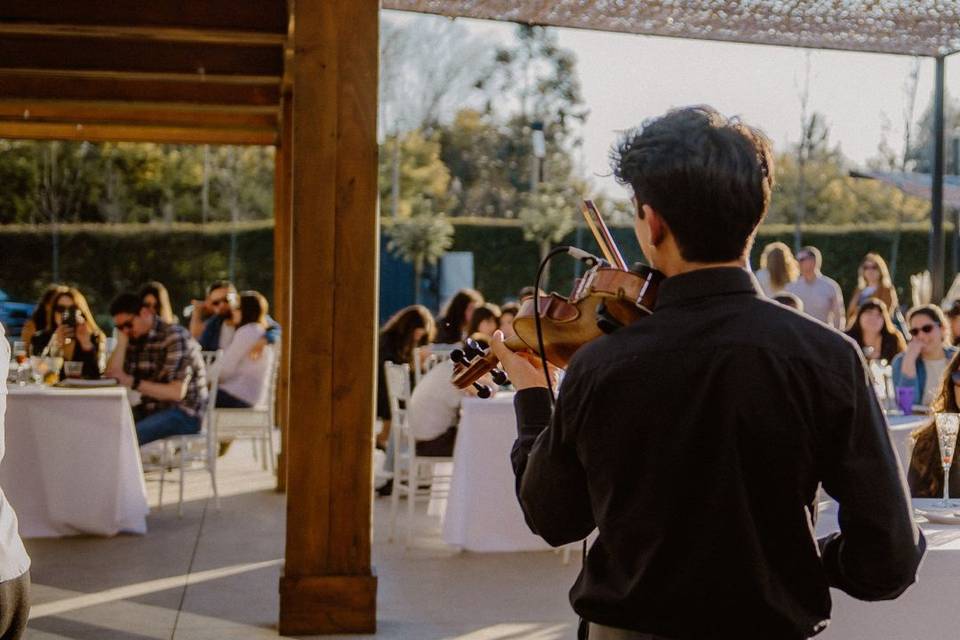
(214,575)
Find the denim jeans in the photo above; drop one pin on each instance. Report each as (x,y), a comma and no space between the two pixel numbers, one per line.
(170,422)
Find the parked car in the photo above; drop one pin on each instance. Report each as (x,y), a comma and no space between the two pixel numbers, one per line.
(13,315)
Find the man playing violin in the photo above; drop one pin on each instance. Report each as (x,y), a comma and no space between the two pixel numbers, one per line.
(695,439)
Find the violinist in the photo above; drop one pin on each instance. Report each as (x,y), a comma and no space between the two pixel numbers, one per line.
(694,440)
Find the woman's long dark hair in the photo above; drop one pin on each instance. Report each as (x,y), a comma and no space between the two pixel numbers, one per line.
(891,340)
(253,308)
(925,459)
(396,336)
(158,291)
(42,314)
(453,320)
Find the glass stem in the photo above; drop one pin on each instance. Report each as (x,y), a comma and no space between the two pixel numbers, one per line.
(946,483)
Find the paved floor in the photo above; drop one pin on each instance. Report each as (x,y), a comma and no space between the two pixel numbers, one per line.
(214,574)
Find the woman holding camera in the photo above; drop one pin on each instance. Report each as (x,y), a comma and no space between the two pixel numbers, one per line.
(73,333)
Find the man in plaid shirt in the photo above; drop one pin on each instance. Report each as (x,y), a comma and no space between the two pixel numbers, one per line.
(164,364)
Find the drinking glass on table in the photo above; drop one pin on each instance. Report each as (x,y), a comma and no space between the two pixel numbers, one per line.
(948,424)
(73,369)
(20,355)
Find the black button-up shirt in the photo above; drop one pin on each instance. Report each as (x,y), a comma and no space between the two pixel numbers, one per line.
(694,441)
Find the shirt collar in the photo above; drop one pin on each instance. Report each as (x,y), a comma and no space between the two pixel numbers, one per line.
(704,283)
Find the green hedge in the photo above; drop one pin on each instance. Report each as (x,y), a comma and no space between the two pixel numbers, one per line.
(103,260)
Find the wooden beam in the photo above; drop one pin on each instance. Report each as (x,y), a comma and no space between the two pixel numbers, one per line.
(141,56)
(100,32)
(282,240)
(81,112)
(265,16)
(105,132)
(21,87)
(328,584)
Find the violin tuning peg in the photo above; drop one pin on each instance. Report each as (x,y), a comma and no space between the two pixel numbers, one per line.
(471,349)
(500,377)
(483,391)
(458,356)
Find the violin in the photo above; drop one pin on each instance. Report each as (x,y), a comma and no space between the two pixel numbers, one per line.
(607,297)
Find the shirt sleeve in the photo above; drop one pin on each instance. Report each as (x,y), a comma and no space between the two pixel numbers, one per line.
(273,331)
(839,313)
(240,346)
(176,360)
(551,482)
(877,551)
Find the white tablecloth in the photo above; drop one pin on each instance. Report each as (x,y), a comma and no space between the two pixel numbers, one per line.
(926,610)
(72,465)
(482,512)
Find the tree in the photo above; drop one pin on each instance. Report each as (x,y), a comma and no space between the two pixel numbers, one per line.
(549,215)
(420,239)
(421,172)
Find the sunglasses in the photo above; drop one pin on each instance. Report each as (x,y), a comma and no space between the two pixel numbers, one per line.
(927,328)
(871,267)
(60,308)
(218,302)
(123,326)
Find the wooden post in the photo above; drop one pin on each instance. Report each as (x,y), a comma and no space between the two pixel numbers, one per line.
(328,586)
(282,203)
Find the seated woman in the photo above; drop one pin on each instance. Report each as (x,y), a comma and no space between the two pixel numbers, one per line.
(456,316)
(508,312)
(155,296)
(41,319)
(72,333)
(484,320)
(926,357)
(243,380)
(407,329)
(925,476)
(873,330)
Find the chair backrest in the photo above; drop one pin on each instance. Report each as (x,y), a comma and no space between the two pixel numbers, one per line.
(429,362)
(398,389)
(212,360)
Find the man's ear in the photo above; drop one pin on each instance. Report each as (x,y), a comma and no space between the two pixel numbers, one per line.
(658,229)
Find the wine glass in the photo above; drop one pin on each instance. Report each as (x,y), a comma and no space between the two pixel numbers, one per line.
(948,424)
(20,355)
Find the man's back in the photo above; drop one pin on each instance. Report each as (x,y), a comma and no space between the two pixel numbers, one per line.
(702,433)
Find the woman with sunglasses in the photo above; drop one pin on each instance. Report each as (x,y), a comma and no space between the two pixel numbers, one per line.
(925,475)
(873,281)
(73,333)
(923,363)
(873,330)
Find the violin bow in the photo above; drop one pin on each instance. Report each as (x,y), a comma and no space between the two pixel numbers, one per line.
(602,235)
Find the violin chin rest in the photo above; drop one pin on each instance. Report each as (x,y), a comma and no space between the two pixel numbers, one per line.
(605,320)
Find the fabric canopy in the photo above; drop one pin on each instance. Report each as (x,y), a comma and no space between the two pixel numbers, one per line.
(910,27)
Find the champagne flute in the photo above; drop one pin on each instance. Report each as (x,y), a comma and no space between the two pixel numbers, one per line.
(948,424)
(20,355)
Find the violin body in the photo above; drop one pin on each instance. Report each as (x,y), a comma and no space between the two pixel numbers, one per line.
(602,300)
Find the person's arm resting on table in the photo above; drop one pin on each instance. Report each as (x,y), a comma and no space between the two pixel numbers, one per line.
(877,551)
(551,482)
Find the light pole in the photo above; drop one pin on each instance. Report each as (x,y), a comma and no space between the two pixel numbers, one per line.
(539,145)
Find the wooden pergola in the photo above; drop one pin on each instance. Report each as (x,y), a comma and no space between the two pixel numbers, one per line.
(237,72)
(303,78)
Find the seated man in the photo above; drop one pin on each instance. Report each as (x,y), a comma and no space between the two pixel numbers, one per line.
(164,364)
(434,410)
(213,324)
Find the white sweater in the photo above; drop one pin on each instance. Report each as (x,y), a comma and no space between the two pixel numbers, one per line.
(242,377)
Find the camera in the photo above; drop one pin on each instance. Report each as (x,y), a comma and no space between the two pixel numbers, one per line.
(69,317)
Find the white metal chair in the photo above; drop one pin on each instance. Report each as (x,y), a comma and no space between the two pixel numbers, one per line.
(196,447)
(414,476)
(255,423)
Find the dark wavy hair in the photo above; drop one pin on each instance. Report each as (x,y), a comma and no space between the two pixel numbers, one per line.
(396,336)
(925,460)
(891,340)
(708,176)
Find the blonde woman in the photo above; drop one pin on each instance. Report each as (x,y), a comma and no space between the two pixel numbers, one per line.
(873,281)
(778,268)
(72,333)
